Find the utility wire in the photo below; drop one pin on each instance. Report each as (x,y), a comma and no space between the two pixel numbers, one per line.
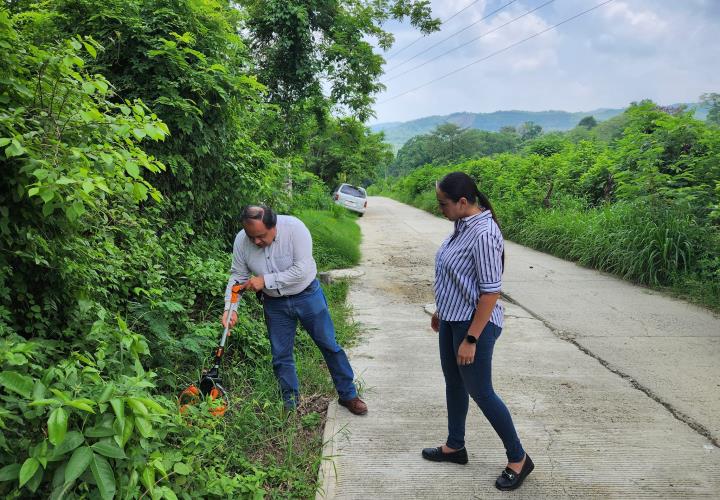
(468,42)
(454,34)
(497,52)
(394,54)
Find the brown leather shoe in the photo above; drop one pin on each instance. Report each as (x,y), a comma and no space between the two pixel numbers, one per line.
(356,405)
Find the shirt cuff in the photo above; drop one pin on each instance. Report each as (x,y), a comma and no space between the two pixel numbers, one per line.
(490,288)
(270,281)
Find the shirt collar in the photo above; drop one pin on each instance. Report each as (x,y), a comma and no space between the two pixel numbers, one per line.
(471,220)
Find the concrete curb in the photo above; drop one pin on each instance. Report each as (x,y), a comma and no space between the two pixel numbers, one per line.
(339,274)
(327,473)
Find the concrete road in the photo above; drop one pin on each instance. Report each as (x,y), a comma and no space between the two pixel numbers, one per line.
(613,388)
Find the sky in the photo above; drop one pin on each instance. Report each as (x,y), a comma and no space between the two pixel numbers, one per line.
(625,51)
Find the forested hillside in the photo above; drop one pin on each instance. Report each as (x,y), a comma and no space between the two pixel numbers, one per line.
(131,133)
(399,133)
(637,195)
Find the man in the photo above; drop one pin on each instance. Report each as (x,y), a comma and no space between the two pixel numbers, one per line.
(273,255)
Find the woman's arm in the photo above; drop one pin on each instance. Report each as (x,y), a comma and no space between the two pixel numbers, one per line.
(486,303)
(483,311)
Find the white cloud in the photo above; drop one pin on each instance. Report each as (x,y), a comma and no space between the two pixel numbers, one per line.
(643,22)
(625,51)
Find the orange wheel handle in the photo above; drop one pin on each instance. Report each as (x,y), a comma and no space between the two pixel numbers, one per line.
(218,411)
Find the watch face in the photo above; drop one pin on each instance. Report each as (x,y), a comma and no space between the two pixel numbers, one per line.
(471,339)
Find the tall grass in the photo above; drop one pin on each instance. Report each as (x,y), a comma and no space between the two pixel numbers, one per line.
(336,238)
(639,244)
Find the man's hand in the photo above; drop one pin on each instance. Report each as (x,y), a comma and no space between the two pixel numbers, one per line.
(466,353)
(233,319)
(255,284)
(435,322)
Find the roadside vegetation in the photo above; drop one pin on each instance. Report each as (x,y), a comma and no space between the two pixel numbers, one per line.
(637,196)
(131,134)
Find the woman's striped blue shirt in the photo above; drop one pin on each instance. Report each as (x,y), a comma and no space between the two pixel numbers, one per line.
(467,265)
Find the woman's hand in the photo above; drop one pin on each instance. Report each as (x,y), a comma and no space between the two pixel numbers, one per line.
(435,322)
(466,353)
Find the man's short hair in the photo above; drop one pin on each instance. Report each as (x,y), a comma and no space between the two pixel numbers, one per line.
(259,212)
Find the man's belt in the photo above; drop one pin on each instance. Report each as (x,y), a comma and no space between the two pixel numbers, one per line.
(265,296)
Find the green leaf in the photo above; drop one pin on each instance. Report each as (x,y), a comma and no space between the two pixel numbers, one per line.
(118,406)
(104,477)
(64,181)
(140,191)
(154,132)
(101,86)
(104,430)
(10,472)
(143,426)
(58,479)
(82,404)
(28,470)
(35,481)
(39,391)
(137,407)
(44,402)
(20,384)
(168,493)
(4,141)
(152,405)
(57,426)
(107,393)
(91,50)
(128,429)
(148,478)
(60,394)
(47,195)
(139,134)
(78,463)
(73,439)
(132,169)
(108,449)
(182,469)
(14,149)
(92,115)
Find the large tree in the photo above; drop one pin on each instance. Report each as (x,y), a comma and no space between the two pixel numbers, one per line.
(307,48)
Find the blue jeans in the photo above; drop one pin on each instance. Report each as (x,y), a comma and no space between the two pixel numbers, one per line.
(474,380)
(311,309)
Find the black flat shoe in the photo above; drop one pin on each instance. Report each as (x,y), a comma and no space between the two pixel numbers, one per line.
(437,455)
(510,480)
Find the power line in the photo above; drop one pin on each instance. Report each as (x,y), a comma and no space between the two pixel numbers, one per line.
(497,52)
(421,37)
(454,34)
(468,42)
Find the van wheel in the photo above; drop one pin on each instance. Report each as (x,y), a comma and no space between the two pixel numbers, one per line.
(360,214)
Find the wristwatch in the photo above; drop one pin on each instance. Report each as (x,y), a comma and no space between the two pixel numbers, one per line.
(471,339)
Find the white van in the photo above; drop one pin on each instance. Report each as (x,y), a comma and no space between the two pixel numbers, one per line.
(351,197)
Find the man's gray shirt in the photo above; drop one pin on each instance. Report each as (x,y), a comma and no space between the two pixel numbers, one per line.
(286,264)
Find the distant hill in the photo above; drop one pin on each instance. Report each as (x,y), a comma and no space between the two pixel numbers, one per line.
(397,133)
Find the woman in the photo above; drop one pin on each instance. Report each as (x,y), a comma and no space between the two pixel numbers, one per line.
(468,273)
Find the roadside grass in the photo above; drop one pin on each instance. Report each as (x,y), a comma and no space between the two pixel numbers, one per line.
(336,238)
